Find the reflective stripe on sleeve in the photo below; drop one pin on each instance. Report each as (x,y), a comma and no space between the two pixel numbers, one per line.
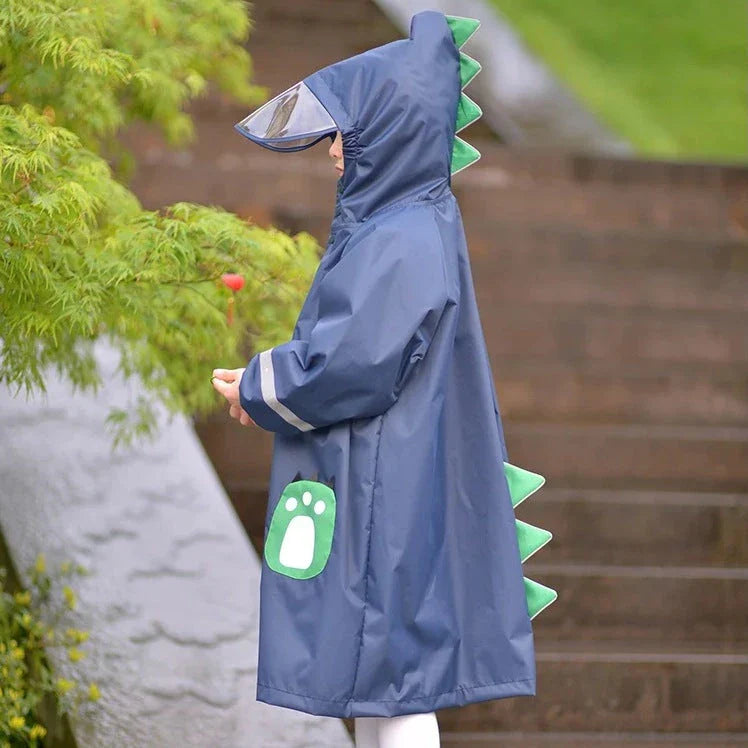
(267,386)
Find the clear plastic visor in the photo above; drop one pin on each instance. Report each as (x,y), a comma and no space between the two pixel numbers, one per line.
(292,120)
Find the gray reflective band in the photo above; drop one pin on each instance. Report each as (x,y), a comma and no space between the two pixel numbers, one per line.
(267,386)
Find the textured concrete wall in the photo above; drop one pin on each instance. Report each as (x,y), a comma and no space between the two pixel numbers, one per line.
(172,600)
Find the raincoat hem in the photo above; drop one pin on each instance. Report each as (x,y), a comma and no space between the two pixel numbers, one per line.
(460,696)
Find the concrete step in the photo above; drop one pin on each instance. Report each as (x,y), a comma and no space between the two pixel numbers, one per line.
(606,285)
(536,164)
(604,599)
(616,690)
(503,244)
(610,391)
(570,456)
(488,193)
(583,332)
(624,528)
(223,166)
(501,739)
(500,240)
(603,206)
(635,456)
(628,528)
(654,604)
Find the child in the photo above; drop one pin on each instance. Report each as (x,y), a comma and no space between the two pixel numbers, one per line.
(392,579)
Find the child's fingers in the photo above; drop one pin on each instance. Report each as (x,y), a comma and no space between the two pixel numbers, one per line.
(225,388)
(227,375)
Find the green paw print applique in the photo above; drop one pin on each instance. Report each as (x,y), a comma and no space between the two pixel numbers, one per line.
(300,536)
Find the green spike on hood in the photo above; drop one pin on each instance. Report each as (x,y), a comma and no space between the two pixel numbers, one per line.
(467,112)
(531,539)
(469,68)
(462,28)
(539,597)
(463,154)
(522,483)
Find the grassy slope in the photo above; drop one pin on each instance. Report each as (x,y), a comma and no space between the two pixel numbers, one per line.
(670,76)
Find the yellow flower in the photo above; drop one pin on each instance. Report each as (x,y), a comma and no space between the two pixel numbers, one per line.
(26,620)
(37,731)
(69,596)
(17,653)
(2,646)
(63,685)
(76,635)
(93,692)
(65,567)
(23,598)
(41,563)
(75,654)
(16,723)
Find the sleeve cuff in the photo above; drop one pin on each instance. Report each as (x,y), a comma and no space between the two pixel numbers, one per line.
(257,396)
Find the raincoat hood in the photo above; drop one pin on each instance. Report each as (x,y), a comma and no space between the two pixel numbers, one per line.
(398,108)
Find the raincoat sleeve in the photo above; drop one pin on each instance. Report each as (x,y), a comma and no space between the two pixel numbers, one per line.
(379,307)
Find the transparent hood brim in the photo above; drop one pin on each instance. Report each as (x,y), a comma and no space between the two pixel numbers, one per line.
(292,121)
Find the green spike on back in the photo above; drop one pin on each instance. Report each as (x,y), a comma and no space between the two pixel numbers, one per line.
(462,28)
(539,597)
(467,110)
(469,68)
(531,539)
(523,483)
(463,154)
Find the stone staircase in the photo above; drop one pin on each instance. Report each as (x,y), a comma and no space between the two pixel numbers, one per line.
(613,296)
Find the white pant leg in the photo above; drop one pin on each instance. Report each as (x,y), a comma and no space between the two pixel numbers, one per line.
(366,731)
(409,731)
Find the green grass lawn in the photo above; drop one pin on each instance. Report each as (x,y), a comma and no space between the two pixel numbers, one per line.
(669,76)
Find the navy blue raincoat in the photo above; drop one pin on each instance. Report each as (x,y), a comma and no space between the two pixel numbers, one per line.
(392,576)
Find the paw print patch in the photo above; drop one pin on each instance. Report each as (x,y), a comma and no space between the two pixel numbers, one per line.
(300,535)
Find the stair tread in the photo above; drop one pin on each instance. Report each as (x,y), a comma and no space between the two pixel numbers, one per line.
(498,739)
(612,571)
(548,649)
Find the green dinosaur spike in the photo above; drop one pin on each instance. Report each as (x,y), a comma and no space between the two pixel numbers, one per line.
(522,483)
(539,597)
(531,539)
(467,111)
(462,28)
(463,154)
(469,68)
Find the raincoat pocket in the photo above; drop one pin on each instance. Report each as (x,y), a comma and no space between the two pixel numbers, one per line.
(299,539)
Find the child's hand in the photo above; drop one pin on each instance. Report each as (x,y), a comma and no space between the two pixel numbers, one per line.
(226,381)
